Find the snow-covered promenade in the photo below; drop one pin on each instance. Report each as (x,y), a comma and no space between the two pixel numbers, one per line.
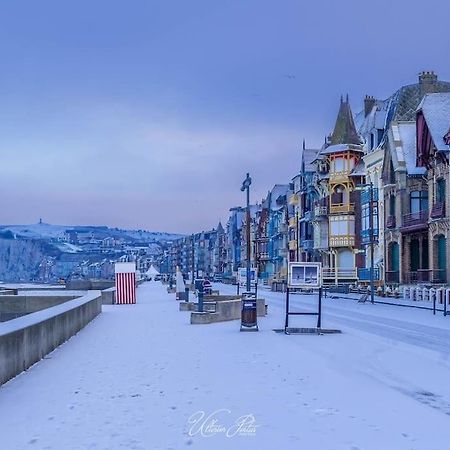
(136,375)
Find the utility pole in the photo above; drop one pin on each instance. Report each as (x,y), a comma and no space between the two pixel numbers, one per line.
(246,187)
(193,259)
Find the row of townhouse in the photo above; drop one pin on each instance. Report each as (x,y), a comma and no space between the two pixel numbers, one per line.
(381,177)
(201,254)
(400,146)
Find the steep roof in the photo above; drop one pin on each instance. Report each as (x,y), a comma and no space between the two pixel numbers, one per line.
(436,111)
(407,99)
(402,139)
(309,155)
(400,106)
(344,130)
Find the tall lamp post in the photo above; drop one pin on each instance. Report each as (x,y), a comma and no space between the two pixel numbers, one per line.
(246,187)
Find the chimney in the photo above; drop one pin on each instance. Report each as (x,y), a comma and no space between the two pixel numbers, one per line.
(427,82)
(369,103)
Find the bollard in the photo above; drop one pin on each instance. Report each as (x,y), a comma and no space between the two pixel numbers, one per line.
(434,306)
(186,294)
(200,297)
(433,294)
(406,293)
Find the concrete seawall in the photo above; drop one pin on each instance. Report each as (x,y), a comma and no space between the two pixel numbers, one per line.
(27,339)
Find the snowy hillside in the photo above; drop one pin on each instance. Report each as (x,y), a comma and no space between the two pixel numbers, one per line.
(49,231)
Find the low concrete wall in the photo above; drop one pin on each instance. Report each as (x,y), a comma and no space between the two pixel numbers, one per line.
(27,339)
(109,296)
(226,310)
(8,292)
(86,284)
(25,304)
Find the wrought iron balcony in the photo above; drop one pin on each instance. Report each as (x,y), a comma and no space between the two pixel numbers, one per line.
(320,210)
(418,276)
(263,256)
(415,220)
(364,274)
(308,216)
(390,222)
(438,210)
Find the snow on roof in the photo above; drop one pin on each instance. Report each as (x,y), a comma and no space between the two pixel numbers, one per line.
(436,110)
(404,134)
(277,191)
(340,148)
(359,170)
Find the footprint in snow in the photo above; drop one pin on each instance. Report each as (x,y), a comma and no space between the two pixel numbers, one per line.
(325,411)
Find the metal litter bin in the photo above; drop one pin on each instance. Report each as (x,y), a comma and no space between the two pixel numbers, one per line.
(249,318)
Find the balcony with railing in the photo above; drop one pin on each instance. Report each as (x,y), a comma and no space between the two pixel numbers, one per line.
(341,175)
(390,222)
(320,210)
(418,276)
(415,221)
(342,240)
(438,210)
(339,208)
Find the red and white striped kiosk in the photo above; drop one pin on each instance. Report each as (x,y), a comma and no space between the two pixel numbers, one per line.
(125,283)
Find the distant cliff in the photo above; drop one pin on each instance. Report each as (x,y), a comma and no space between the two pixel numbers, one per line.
(20,258)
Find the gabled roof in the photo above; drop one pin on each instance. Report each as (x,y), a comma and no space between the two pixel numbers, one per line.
(402,145)
(344,129)
(436,111)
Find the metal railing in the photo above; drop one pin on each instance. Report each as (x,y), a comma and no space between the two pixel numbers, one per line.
(416,219)
(320,210)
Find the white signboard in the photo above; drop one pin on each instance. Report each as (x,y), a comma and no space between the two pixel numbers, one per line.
(242,276)
(305,275)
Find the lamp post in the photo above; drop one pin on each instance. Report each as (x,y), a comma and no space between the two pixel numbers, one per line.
(246,187)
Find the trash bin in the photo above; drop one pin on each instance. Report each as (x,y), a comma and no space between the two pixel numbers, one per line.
(249,321)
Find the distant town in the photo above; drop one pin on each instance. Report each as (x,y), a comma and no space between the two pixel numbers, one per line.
(53,253)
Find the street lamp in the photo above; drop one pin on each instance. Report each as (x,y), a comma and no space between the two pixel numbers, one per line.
(246,187)
(371,236)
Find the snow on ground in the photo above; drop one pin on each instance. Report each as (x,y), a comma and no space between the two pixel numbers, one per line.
(137,375)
